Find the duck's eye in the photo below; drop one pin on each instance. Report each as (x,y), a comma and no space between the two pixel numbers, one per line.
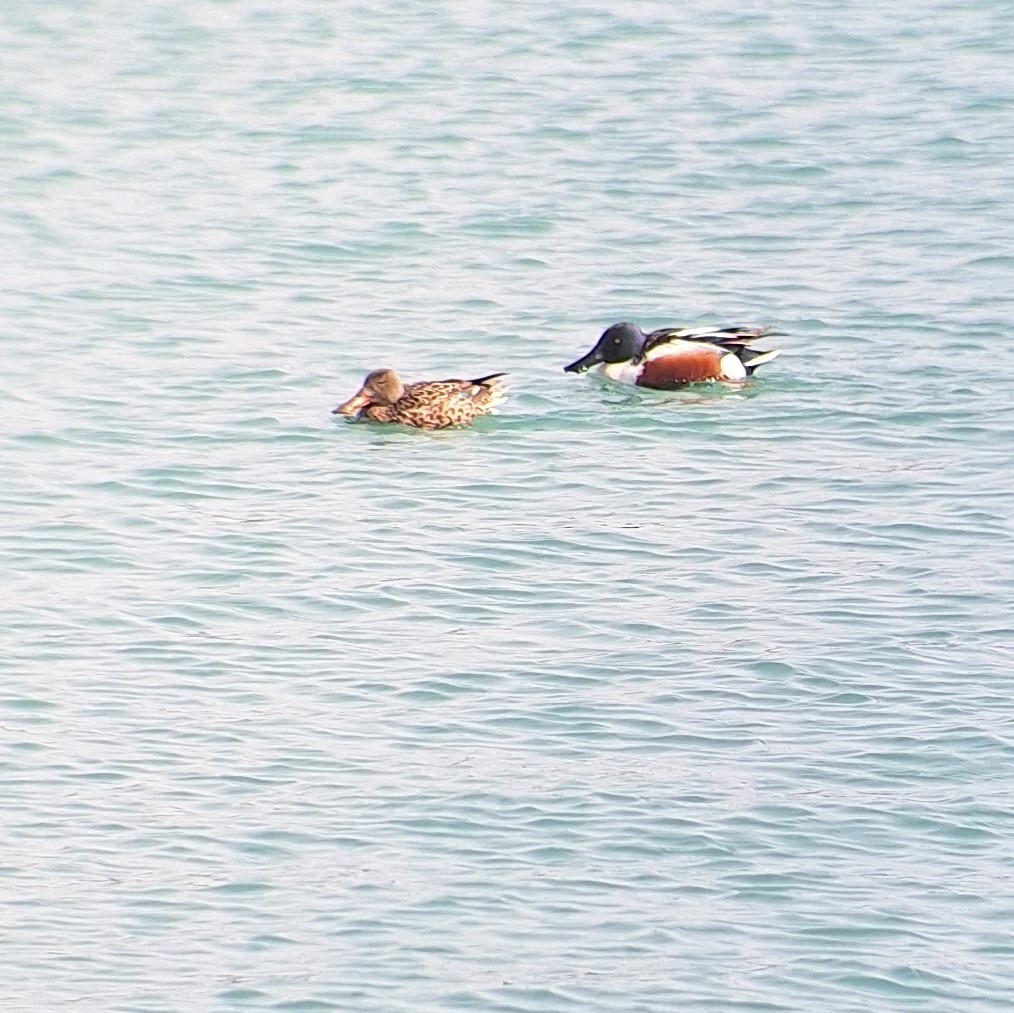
(616,341)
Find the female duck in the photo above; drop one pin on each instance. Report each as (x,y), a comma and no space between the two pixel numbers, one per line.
(674,356)
(428,404)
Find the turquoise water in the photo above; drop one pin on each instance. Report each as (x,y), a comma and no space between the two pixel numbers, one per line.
(621,701)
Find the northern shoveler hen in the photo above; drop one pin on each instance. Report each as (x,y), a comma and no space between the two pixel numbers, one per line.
(674,356)
(428,404)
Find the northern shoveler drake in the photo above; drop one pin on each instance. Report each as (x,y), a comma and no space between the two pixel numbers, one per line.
(675,356)
(428,404)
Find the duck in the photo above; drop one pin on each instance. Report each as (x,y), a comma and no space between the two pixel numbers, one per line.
(426,404)
(672,357)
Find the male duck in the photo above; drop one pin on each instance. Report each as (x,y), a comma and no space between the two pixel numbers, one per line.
(428,404)
(674,356)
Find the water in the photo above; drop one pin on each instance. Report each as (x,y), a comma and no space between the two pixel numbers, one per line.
(620,701)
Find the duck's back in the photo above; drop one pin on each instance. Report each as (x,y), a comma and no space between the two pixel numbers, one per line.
(437,404)
(731,338)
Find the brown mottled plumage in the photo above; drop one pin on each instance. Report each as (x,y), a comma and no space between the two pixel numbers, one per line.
(428,404)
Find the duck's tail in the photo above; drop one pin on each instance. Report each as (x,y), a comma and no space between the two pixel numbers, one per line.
(491,390)
(752,359)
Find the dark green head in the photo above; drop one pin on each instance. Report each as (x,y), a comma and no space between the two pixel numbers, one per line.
(619,343)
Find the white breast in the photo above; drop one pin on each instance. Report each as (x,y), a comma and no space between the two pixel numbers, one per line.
(622,372)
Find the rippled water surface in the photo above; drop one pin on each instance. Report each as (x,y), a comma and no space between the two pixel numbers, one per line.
(620,701)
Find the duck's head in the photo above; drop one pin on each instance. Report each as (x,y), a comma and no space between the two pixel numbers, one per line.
(619,343)
(381,387)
